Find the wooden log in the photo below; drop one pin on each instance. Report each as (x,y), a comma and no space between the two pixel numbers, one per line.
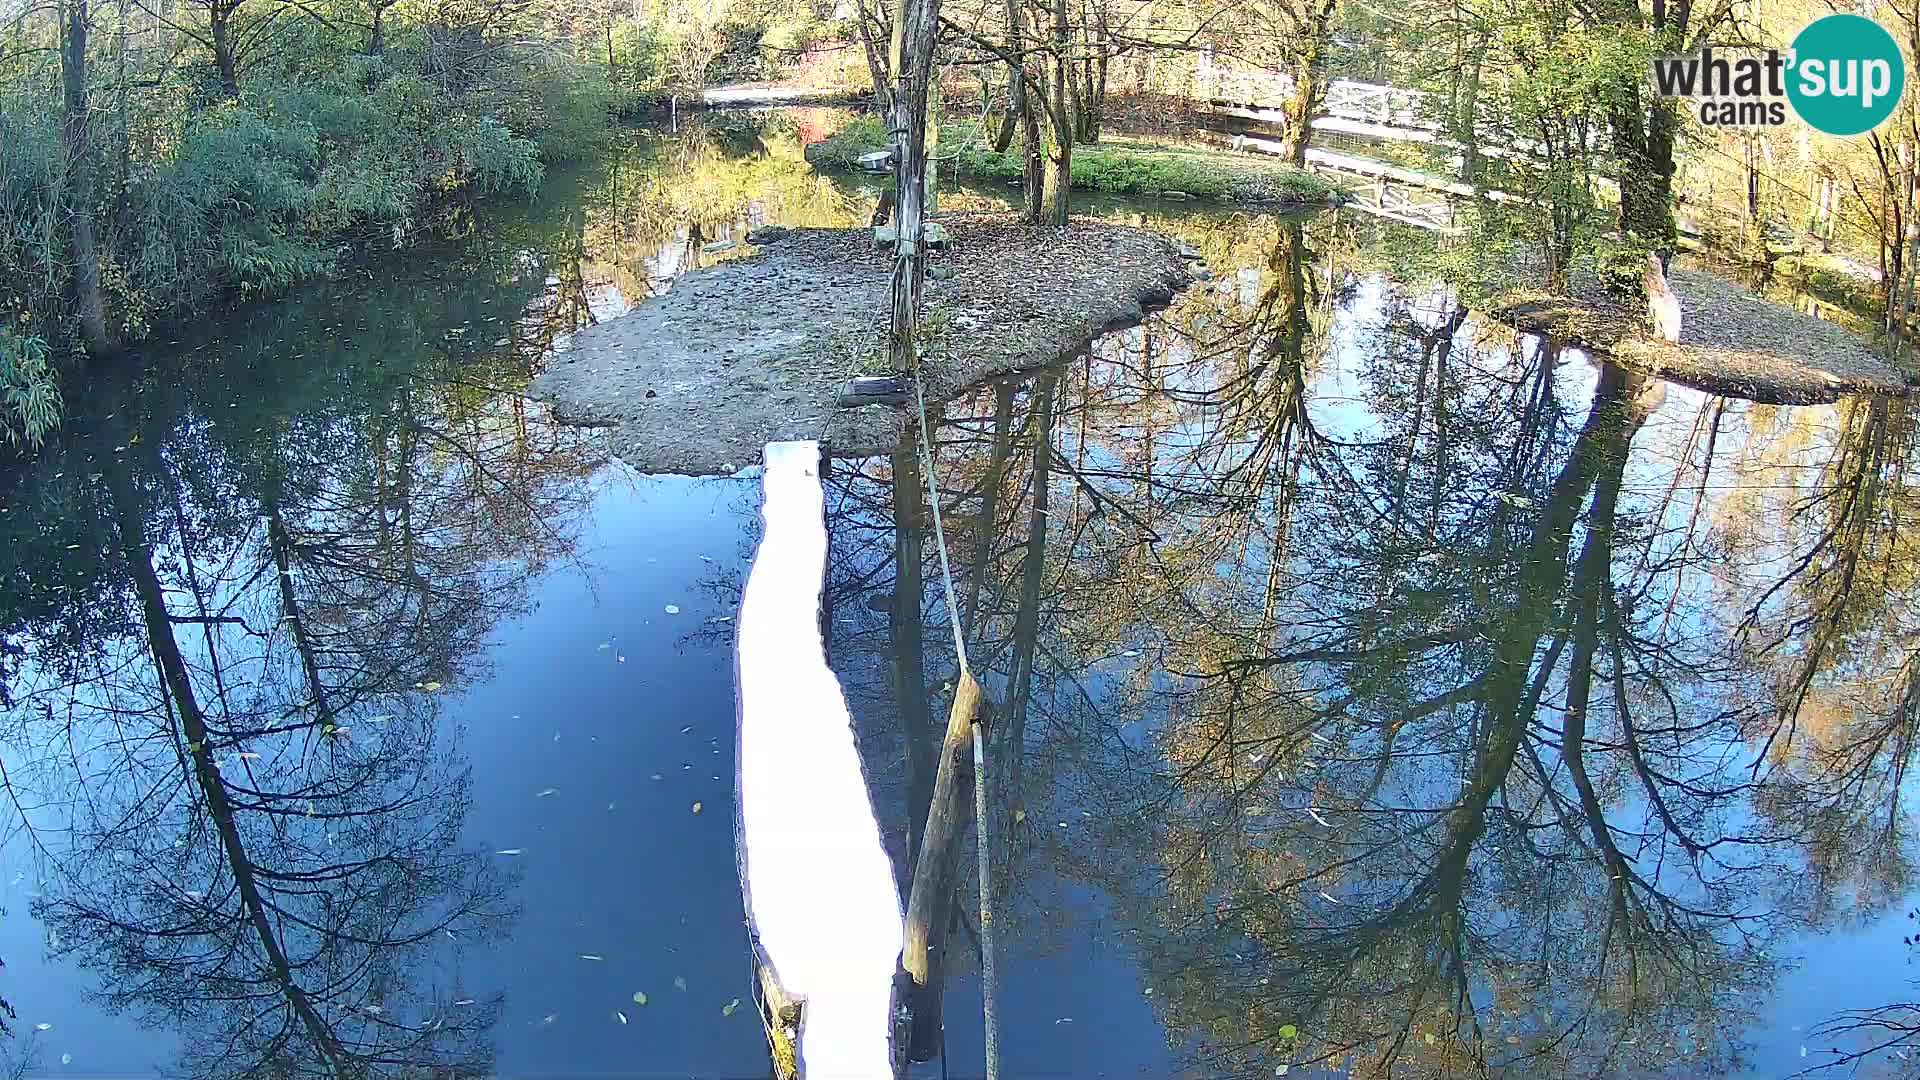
(930,899)
(823,911)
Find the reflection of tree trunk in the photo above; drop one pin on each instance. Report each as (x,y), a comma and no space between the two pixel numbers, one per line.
(904,633)
(280,542)
(193,728)
(983,533)
(1591,593)
(1026,623)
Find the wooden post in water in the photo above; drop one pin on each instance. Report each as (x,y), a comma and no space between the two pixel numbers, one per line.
(935,876)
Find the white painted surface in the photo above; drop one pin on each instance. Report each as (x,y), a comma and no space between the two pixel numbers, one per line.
(818,885)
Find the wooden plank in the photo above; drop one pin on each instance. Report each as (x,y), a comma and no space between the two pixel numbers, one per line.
(823,913)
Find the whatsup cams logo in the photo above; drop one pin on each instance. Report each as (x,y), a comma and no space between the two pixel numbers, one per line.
(1843,75)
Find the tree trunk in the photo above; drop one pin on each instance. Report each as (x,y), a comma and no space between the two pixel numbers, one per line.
(377,37)
(915,23)
(88,303)
(1643,144)
(1056,197)
(1016,78)
(220,27)
(1033,165)
(1309,83)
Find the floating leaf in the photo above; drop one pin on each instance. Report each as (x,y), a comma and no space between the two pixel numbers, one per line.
(673,609)
(620,1016)
(696,807)
(1063,1020)
(1430,1039)
(429,687)
(464,1001)
(43,1027)
(1289,1032)
(640,997)
(727,1009)
(66,1059)
(679,983)
(508,851)
(544,792)
(548,1019)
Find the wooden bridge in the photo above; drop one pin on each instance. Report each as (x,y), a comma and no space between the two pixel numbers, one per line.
(1383,189)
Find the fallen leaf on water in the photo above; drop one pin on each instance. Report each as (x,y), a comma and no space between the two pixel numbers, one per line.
(727,1009)
(544,792)
(679,982)
(43,1027)
(464,1001)
(508,851)
(1315,814)
(1513,1040)
(605,645)
(429,687)
(620,1016)
(591,956)
(1063,1020)
(66,1059)
(673,609)
(1289,1031)
(549,1018)
(1019,816)
(1430,1039)
(640,997)
(696,808)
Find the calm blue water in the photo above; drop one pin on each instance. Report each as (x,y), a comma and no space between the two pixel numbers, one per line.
(358,716)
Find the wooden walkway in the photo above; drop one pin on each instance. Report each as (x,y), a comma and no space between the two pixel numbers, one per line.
(1383,189)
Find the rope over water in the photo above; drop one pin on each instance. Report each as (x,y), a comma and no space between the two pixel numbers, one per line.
(980,816)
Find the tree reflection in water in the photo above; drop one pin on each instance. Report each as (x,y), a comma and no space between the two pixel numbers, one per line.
(1423,700)
(227,747)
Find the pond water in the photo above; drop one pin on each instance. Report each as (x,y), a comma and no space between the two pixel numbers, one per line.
(1380,693)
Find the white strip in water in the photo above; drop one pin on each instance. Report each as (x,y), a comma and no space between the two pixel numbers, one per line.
(818,885)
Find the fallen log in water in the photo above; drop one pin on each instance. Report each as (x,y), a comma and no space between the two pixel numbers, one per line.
(823,913)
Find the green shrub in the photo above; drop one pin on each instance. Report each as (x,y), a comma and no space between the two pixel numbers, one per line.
(29,389)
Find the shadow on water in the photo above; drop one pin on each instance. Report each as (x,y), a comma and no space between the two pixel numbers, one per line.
(1388,694)
(1381,692)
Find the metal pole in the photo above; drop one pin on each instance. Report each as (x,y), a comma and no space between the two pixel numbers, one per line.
(981,837)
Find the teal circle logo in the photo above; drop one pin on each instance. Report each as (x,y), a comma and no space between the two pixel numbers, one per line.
(1847,74)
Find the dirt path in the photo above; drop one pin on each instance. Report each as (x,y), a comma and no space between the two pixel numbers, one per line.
(757,350)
